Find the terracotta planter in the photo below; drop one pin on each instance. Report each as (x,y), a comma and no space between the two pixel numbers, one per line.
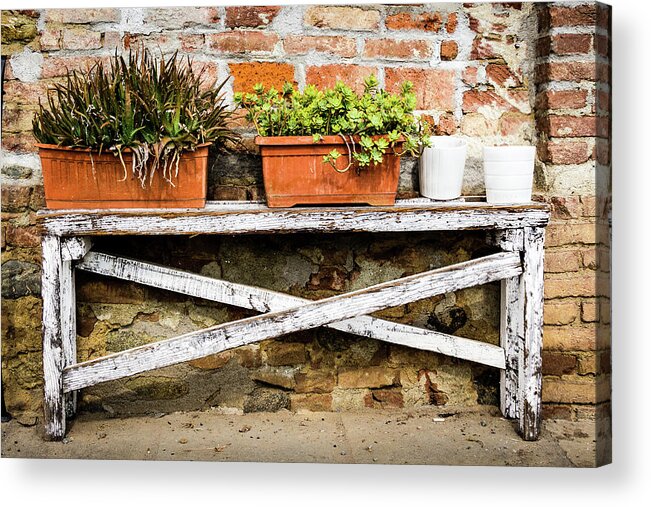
(71,182)
(294,173)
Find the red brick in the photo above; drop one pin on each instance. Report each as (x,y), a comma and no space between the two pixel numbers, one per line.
(566,71)
(446,126)
(434,88)
(603,127)
(428,21)
(602,102)
(50,40)
(475,99)
(55,66)
(562,99)
(330,44)
(243,42)
(22,236)
(250,17)
(572,126)
(581,15)
(79,16)
(555,363)
(571,43)
(582,284)
(604,14)
(245,75)
(328,75)
(564,152)
(191,42)
(452,22)
(560,314)
(449,50)
(390,49)
(561,261)
(501,75)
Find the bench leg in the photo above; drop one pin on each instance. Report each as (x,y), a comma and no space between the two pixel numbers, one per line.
(530,373)
(53,348)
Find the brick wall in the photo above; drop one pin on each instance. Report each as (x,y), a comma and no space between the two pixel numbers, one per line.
(493,73)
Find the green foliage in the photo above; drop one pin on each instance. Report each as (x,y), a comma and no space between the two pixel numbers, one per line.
(340,111)
(154,107)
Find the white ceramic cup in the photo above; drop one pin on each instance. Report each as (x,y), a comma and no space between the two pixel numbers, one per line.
(508,173)
(441,168)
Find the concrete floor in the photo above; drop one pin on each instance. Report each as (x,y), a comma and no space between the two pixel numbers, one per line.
(429,435)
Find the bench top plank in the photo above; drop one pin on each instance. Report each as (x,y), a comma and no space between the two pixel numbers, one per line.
(243,217)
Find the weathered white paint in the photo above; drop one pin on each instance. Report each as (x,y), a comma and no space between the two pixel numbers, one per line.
(75,248)
(264,300)
(68,312)
(255,218)
(530,376)
(53,356)
(314,314)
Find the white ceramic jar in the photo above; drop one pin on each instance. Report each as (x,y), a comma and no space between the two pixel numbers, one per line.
(441,168)
(508,173)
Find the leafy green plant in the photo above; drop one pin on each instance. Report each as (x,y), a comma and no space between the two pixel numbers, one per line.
(154,107)
(370,123)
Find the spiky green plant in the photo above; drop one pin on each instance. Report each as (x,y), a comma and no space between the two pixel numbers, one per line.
(155,107)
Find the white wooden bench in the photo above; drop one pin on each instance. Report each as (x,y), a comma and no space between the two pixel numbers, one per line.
(517,229)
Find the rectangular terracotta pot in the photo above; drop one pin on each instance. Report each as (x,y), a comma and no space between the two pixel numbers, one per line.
(294,173)
(71,182)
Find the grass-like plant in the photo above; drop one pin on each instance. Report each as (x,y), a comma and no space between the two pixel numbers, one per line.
(369,123)
(154,107)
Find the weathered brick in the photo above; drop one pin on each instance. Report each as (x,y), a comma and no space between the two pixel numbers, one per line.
(483,49)
(179,18)
(577,390)
(50,40)
(17,236)
(312,402)
(109,291)
(561,261)
(80,38)
(514,123)
(56,66)
(556,363)
(564,152)
(82,16)
(570,285)
(343,18)
(15,198)
(314,381)
(243,42)
(390,49)
(572,126)
(17,117)
(580,15)
(449,50)
(213,361)
(590,311)
(566,207)
(560,314)
(19,92)
(478,125)
(589,259)
(328,44)
(328,75)
(452,22)
(502,75)
(283,353)
(246,75)
(602,150)
(20,142)
(566,71)
(428,21)
(469,76)
(473,100)
(384,398)
(602,45)
(250,16)
(228,193)
(434,87)
(567,234)
(372,376)
(562,99)
(563,412)
(571,43)
(191,42)
(280,377)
